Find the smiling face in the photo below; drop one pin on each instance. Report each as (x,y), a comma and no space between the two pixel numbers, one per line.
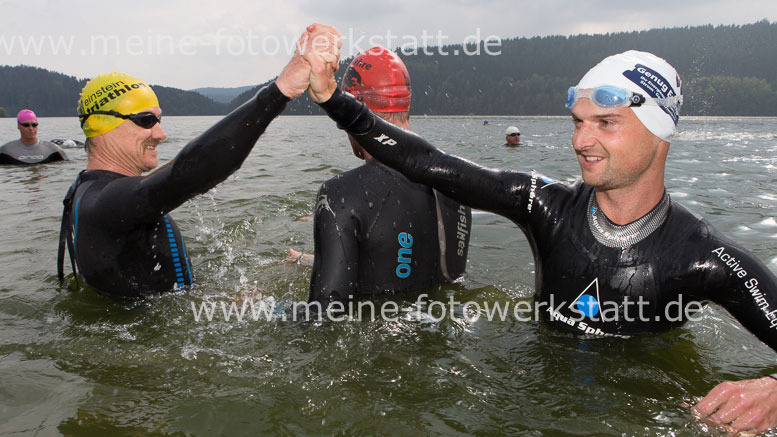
(615,150)
(130,149)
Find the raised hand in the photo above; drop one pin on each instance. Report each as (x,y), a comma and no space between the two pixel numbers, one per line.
(322,52)
(295,77)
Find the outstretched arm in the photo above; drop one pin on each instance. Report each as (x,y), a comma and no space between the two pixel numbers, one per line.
(211,157)
(469,183)
(462,180)
(221,150)
(214,155)
(751,297)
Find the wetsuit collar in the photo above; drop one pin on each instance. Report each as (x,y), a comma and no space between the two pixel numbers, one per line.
(613,235)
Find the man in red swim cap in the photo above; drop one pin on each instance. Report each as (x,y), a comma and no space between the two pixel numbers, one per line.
(375,231)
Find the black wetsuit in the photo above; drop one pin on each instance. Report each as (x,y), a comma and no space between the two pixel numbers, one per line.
(683,258)
(125,243)
(377,232)
(42,152)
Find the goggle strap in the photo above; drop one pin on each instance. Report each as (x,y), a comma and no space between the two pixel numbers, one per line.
(83,117)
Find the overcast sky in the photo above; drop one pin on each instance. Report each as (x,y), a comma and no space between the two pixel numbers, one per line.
(225,43)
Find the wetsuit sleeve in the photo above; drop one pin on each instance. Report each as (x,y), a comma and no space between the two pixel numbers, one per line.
(200,165)
(336,263)
(746,288)
(4,157)
(483,188)
(61,152)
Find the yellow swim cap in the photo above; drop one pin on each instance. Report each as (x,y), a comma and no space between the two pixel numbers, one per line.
(112,92)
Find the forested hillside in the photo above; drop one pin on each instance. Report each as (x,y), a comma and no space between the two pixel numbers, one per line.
(727,70)
(52,94)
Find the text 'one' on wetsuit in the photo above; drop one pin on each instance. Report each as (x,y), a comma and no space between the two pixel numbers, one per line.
(377,232)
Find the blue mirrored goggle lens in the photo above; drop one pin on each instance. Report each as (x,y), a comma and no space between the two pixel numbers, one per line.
(570,98)
(609,97)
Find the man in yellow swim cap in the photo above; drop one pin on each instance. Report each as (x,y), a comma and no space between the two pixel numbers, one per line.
(115,223)
(107,103)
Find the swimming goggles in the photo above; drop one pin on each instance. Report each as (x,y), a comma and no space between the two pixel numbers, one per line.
(608,96)
(146,120)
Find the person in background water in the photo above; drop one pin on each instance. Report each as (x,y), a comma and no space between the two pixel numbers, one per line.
(613,251)
(29,149)
(374,230)
(116,223)
(512,136)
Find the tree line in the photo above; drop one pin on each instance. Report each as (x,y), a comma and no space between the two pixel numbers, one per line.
(52,94)
(726,70)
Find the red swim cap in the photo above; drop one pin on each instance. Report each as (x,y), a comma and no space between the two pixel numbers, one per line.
(379,78)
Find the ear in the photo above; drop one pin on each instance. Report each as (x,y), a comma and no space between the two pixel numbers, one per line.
(358,151)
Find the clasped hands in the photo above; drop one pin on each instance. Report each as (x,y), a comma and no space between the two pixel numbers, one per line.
(313,65)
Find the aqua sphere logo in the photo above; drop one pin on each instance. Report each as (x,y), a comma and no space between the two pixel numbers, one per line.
(587,302)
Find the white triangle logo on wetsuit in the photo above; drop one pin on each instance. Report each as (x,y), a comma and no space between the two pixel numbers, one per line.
(587,303)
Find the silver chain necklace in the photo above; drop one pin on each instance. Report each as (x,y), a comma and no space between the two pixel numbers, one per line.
(612,235)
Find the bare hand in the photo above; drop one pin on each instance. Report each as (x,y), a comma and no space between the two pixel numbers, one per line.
(302,258)
(749,405)
(322,52)
(295,77)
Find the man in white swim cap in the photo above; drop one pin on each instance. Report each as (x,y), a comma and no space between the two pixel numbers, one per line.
(512,136)
(618,228)
(625,111)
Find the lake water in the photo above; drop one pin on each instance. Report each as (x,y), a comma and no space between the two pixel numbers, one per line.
(76,363)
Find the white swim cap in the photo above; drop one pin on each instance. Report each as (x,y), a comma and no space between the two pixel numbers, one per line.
(646,74)
(512,130)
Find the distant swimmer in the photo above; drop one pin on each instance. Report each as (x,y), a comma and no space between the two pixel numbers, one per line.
(375,231)
(615,254)
(116,223)
(512,136)
(29,149)
(69,144)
